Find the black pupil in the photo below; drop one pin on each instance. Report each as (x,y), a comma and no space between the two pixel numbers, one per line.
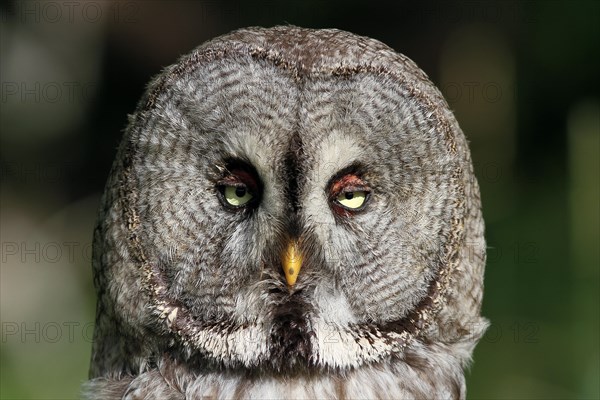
(349,195)
(240,191)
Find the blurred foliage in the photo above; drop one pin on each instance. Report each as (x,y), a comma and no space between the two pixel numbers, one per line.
(522,78)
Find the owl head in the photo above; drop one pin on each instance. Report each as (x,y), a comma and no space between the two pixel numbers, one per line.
(290,201)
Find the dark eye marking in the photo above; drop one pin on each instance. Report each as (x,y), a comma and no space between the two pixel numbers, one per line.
(240,187)
(348,192)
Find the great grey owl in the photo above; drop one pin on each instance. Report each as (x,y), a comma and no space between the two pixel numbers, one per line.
(292,214)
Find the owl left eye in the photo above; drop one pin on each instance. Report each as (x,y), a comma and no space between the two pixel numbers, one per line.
(352,200)
(348,193)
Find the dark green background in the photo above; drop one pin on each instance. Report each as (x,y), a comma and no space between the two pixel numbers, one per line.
(522,78)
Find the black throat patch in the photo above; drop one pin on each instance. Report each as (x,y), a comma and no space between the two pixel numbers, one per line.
(291,335)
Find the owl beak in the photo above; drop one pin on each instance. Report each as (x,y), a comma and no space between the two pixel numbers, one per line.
(291,261)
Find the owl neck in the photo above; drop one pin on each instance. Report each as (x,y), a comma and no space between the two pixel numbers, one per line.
(421,371)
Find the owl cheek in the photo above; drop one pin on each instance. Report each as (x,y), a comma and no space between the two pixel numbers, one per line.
(341,213)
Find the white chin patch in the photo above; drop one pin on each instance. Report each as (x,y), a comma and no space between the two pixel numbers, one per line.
(336,343)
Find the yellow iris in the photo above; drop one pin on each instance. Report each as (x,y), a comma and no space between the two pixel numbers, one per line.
(237,195)
(352,200)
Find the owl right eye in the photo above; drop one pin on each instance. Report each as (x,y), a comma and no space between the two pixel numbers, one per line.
(240,188)
(237,196)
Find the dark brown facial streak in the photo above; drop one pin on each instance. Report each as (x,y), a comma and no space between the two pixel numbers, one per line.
(291,333)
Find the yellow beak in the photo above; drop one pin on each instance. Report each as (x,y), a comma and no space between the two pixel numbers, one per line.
(291,260)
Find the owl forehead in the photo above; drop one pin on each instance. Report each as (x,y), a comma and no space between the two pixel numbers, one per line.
(251,108)
(271,87)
